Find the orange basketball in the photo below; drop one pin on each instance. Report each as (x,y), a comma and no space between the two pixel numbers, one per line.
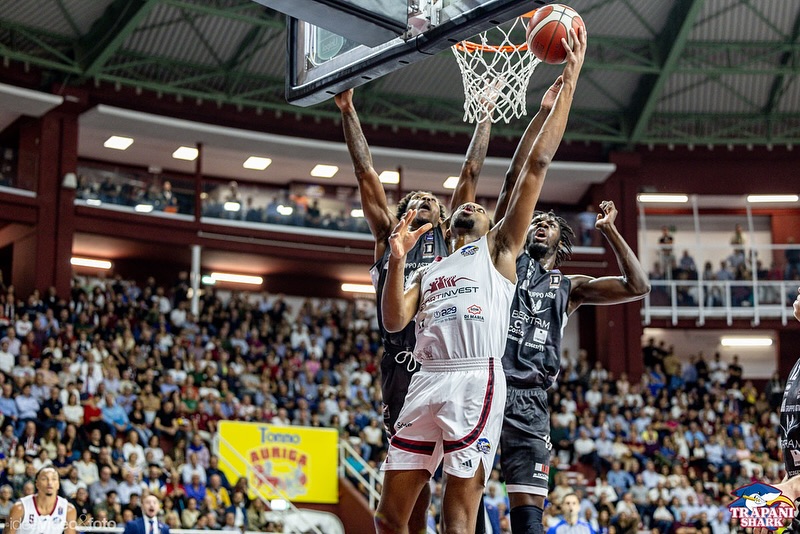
(547,27)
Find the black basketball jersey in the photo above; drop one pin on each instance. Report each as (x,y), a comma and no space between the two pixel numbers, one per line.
(429,246)
(538,317)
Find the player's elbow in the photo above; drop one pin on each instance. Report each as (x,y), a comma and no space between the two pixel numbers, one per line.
(540,160)
(393,324)
(639,289)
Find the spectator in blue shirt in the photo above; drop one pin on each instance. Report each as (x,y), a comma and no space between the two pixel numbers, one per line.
(8,407)
(27,407)
(619,479)
(114,415)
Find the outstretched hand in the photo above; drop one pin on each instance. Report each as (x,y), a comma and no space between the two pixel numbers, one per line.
(575,54)
(607,215)
(344,100)
(403,238)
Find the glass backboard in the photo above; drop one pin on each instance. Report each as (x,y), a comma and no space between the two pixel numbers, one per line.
(322,63)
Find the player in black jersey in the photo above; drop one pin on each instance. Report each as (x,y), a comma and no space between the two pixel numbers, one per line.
(544,300)
(397,364)
(790,437)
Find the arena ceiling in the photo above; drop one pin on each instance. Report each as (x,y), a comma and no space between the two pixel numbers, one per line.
(705,72)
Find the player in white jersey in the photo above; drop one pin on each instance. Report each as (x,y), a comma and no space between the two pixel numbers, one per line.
(454,406)
(44,512)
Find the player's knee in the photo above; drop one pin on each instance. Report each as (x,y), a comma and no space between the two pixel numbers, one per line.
(386,524)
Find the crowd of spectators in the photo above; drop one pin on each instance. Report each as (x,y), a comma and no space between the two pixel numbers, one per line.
(145,191)
(120,387)
(737,268)
(661,453)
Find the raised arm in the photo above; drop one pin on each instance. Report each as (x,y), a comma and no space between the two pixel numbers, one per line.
(398,303)
(633,284)
(509,234)
(373,197)
(473,163)
(524,148)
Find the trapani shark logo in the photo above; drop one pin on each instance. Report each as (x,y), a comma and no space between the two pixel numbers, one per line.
(762,505)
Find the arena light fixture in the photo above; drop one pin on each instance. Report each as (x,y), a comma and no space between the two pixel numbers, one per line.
(324,171)
(752,341)
(669,198)
(89,262)
(208,280)
(232,206)
(358,288)
(389,177)
(278,505)
(451,182)
(186,153)
(256,163)
(237,278)
(753,199)
(118,142)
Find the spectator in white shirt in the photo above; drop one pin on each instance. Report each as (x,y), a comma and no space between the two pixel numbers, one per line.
(7,360)
(192,467)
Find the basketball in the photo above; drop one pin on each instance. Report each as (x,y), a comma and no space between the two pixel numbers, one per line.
(547,27)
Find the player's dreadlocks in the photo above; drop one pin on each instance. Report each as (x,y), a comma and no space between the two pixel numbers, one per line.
(402,206)
(566,233)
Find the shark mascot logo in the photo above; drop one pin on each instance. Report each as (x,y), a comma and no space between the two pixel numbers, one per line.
(761,505)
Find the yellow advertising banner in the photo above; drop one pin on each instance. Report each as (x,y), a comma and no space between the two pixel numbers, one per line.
(301,462)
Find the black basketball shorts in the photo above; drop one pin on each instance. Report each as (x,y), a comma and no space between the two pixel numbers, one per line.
(790,422)
(397,368)
(525,441)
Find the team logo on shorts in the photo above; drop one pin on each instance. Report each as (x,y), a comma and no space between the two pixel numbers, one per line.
(483,445)
(761,505)
(469,250)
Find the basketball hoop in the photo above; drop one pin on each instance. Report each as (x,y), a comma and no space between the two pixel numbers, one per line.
(496,76)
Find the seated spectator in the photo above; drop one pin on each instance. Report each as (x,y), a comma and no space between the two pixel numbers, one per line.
(62,462)
(200,449)
(71,484)
(217,495)
(195,489)
(238,511)
(190,514)
(99,490)
(213,469)
(128,487)
(87,469)
(6,501)
(83,506)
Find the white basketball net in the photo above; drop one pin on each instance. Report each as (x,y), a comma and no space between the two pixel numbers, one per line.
(496,75)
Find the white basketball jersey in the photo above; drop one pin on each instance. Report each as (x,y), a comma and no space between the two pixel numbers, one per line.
(36,521)
(465,307)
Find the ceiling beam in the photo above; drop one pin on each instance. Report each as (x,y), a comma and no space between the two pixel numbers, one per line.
(670,44)
(277,21)
(787,60)
(110,31)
